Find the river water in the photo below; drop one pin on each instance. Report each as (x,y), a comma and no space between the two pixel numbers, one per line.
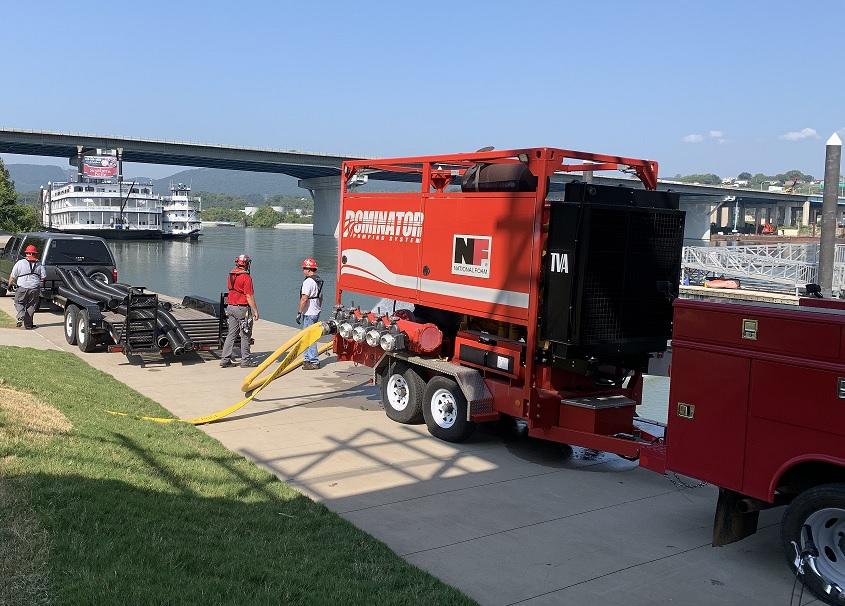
(201,267)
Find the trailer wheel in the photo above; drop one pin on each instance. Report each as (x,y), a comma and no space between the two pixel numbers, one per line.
(402,393)
(84,339)
(818,512)
(445,410)
(71,320)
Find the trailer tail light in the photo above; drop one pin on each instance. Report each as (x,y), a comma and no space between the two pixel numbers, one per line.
(114,274)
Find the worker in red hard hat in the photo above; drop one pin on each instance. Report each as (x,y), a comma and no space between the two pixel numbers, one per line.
(27,277)
(241,311)
(310,306)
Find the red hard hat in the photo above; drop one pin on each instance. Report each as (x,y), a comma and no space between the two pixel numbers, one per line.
(243,260)
(309,263)
(30,250)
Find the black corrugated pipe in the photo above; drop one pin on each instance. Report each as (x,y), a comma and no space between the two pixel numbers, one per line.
(67,292)
(179,339)
(71,278)
(165,320)
(103,287)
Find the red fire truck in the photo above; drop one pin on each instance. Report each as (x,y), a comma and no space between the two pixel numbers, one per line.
(541,298)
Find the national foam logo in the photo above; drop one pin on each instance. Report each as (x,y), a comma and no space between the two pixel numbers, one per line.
(471,255)
(387,225)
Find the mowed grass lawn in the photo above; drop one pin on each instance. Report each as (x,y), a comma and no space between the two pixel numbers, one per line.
(98,509)
(6,321)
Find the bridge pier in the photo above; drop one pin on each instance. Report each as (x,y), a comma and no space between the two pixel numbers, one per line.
(325,191)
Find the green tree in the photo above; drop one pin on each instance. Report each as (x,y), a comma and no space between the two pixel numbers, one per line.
(14,216)
(217,213)
(265,217)
(744,176)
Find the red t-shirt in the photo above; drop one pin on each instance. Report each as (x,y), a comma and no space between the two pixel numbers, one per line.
(240,285)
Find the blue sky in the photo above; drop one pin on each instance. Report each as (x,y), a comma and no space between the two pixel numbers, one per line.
(698,86)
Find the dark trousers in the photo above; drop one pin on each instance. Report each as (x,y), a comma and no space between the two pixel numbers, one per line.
(26,302)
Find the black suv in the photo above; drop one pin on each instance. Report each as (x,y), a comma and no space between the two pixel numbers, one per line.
(88,253)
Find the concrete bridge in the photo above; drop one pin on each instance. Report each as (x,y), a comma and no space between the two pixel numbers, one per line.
(320,175)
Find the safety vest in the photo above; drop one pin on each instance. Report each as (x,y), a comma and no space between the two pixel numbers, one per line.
(319,282)
(33,265)
(233,277)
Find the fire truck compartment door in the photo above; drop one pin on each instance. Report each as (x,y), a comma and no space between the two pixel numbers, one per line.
(477,253)
(708,414)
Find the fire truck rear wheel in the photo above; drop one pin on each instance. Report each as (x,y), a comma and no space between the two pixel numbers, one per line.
(822,510)
(445,410)
(402,393)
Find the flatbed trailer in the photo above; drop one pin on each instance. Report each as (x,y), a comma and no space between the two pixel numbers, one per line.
(134,323)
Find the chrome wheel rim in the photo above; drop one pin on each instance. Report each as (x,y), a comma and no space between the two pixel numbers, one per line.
(828,528)
(444,409)
(81,332)
(397,392)
(69,327)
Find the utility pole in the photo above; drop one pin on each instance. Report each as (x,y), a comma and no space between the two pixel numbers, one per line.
(827,245)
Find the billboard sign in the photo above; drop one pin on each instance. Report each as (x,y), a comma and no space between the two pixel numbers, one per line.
(99,167)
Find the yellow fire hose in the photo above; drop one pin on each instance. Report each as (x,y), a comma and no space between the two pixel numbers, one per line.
(292,351)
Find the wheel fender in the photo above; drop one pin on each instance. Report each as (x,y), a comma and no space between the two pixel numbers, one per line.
(795,461)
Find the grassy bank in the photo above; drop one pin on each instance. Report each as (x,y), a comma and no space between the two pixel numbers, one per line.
(6,321)
(104,510)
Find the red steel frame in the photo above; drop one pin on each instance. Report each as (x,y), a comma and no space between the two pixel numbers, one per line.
(535,400)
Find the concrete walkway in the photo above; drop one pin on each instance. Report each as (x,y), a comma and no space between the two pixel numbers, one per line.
(506,521)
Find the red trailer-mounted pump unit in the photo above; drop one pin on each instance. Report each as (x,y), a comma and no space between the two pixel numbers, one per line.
(542,301)
(539,309)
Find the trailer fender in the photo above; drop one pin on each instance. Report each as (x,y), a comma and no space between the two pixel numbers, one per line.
(470,381)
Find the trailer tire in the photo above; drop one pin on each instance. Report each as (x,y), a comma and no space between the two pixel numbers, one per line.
(71,320)
(84,338)
(822,508)
(445,410)
(402,393)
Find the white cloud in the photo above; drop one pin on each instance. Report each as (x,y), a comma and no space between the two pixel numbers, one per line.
(798,135)
(694,138)
(717,134)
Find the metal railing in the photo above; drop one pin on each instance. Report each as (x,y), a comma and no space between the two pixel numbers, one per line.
(789,265)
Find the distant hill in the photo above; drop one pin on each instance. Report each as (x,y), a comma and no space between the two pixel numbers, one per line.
(232,182)
(30,177)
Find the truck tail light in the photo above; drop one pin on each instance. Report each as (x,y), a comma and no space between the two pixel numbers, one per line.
(114,274)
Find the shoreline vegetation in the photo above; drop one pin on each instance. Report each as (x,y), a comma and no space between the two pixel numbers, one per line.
(99,509)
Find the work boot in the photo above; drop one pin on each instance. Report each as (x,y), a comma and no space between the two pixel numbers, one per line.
(247,363)
(19,323)
(310,365)
(226,363)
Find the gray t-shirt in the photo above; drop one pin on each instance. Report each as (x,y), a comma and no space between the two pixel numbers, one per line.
(310,288)
(28,274)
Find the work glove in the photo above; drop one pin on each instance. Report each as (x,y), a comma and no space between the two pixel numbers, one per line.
(299,318)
